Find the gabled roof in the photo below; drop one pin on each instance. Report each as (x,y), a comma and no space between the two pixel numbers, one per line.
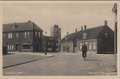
(70,37)
(92,33)
(24,26)
(114,9)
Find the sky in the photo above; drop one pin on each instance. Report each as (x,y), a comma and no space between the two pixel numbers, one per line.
(68,15)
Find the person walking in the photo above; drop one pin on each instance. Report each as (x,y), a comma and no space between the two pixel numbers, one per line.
(84,51)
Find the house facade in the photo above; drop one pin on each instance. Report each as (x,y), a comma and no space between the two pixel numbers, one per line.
(49,44)
(98,40)
(67,47)
(68,43)
(22,37)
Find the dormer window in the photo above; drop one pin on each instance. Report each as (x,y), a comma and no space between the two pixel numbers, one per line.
(106,34)
(15,26)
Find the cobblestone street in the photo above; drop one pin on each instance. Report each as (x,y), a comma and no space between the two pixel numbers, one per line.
(68,64)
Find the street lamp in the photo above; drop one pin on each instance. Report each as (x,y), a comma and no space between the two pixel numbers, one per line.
(66,48)
(46,45)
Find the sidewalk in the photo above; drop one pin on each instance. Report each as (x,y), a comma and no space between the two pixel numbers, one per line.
(31,53)
(108,62)
(19,58)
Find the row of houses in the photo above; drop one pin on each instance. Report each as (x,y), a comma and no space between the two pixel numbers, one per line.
(27,37)
(98,40)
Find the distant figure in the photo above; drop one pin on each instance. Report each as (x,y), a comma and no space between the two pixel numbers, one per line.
(84,50)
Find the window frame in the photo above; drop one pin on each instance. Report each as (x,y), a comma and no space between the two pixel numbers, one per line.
(17,35)
(106,35)
(94,46)
(10,35)
(81,45)
(27,34)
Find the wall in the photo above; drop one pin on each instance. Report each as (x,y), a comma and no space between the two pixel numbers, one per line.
(37,41)
(106,43)
(18,40)
(90,43)
(67,47)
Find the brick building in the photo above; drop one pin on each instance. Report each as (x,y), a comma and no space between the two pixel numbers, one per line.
(98,40)
(22,37)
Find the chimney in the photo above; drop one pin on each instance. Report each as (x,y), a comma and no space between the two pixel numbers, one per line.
(29,21)
(67,33)
(105,22)
(81,28)
(85,27)
(76,30)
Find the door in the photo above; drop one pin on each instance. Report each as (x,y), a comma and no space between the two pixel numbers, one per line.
(17,47)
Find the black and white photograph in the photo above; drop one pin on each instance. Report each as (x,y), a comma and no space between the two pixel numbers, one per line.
(59,38)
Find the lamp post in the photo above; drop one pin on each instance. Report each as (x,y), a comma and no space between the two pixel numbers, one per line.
(46,45)
(66,48)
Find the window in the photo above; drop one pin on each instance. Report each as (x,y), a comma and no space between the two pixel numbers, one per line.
(26,46)
(8,47)
(56,44)
(9,35)
(39,34)
(84,35)
(48,43)
(106,34)
(27,34)
(57,32)
(3,35)
(15,26)
(86,43)
(36,33)
(94,45)
(90,46)
(80,45)
(17,35)
(12,47)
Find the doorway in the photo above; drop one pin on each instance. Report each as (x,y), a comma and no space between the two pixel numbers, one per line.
(17,47)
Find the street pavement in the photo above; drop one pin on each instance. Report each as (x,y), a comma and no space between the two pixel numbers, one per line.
(59,64)
(14,59)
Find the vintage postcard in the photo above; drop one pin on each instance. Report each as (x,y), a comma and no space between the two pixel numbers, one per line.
(60,38)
